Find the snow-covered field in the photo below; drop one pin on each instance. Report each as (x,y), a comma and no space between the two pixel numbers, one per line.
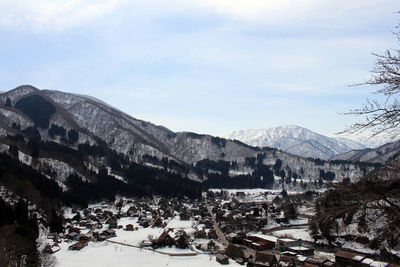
(303,234)
(122,253)
(106,254)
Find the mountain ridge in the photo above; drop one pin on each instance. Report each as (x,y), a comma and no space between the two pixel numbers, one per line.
(373,155)
(296,140)
(197,157)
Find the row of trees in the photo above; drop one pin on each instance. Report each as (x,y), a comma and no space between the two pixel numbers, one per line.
(18,231)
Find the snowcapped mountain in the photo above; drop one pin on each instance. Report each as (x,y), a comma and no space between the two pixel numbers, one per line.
(376,141)
(70,133)
(373,155)
(296,140)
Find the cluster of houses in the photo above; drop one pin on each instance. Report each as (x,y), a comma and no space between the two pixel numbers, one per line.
(240,217)
(263,250)
(289,252)
(239,222)
(99,224)
(355,259)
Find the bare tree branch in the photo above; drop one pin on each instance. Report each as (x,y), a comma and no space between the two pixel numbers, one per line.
(376,116)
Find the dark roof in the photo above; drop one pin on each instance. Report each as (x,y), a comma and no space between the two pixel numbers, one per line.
(346,254)
(315,261)
(234,251)
(221,256)
(265,257)
(164,235)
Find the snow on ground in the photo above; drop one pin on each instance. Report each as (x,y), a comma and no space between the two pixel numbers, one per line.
(324,255)
(309,211)
(176,223)
(105,254)
(299,221)
(136,237)
(255,191)
(303,234)
(358,247)
(174,249)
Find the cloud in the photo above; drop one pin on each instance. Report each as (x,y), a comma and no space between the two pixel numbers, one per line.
(41,15)
(259,10)
(272,11)
(53,14)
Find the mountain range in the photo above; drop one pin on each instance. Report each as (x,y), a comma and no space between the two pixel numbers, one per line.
(63,134)
(374,155)
(303,142)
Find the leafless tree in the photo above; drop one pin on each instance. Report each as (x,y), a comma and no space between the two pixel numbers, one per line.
(377,198)
(381,116)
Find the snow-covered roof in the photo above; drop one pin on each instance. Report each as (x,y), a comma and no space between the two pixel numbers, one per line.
(367,261)
(301,258)
(266,237)
(299,248)
(358,258)
(286,239)
(379,264)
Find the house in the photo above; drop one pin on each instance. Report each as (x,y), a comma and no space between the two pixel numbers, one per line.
(315,262)
(101,237)
(301,250)
(260,242)
(287,259)
(146,243)
(200,234)
(212,234)
(51,249)
(181,239)
(164,239)
(78,246)
(84,237)
(366,262)
(238,238)
(284,243)
(144,223)
(157,222)
(379,264)
(234,252)
(184,216)
(300,260)
(131,211)
(109,233)
(328,263)
(129,227)
(345,258)
(73,236)
(112,223)
(265,258)
(222,259)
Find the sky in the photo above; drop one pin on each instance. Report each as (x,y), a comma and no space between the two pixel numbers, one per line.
(207,66)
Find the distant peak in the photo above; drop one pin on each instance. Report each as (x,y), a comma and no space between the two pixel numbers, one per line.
(26,86)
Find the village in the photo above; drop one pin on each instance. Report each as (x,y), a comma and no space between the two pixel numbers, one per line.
(228,227)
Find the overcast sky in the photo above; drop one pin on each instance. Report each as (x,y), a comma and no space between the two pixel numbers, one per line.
(208,66)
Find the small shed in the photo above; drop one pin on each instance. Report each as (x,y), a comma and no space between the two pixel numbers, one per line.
(78,246)
(222,259)
(129,227)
